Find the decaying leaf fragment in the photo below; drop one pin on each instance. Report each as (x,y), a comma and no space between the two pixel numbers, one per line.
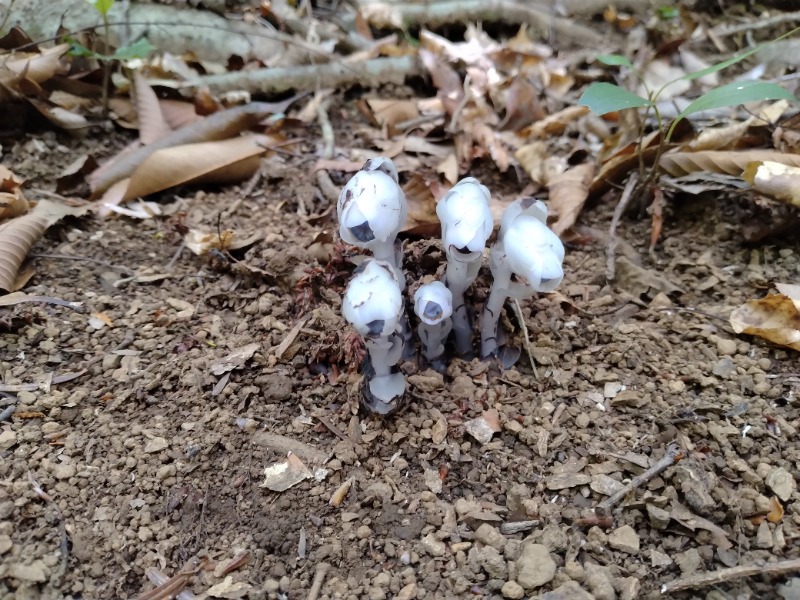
(12,200)
(775,318)
(568,193)
(285,474)
(776,180)
(200,242)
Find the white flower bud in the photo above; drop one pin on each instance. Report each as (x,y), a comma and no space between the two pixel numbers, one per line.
(433,303)
(373,303)
(534,253)
(466,219)
(372,209)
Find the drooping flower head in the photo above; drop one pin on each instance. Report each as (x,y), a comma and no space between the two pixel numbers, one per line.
(466,220)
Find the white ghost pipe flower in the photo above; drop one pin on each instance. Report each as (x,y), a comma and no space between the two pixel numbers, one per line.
(373,305)
(466,225)
(372,209)
(433,304)
(526,258)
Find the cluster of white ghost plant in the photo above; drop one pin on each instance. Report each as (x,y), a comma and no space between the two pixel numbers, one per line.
(526,258)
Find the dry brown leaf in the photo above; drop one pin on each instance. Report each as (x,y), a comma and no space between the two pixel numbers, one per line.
(61,117)
(222,161)
(775,180)
(522,105)
(75,174)
(568,193)
(775,318)
(531,157)
(678,164)
(12,201)
(449,168)
(554,124)
(219,126)
(421,195)
(775,515)
(662,76)
(486,137)
(445,79)
(152,124)
(37,67)
(392,112)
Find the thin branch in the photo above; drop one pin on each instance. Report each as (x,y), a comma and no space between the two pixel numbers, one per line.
(319,577)
(611,251)
(725,575)
(375,72)
(672,455)
(789,17)
(326,186)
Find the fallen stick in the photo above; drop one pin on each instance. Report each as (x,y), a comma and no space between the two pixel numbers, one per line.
(312,77)
(672,455)
(731,574)
(435,14)
(319,577)
(611,252)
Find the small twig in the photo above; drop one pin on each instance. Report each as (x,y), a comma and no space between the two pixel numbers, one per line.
(7,412)
(512,527)
(324,182)
(526,337)
(64,545)
(171,264)
(332,428)
(611,251)
(172,586)
(87,259)
(672,455)
(723,30)
(319,577)
(724,575)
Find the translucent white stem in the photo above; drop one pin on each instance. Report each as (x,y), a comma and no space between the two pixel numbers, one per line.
(384,353)
(433,338)
(460,276)
(490,317)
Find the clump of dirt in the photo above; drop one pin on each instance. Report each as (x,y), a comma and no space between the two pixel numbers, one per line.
(143,424)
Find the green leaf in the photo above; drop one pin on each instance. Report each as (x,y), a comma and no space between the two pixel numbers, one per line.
(78,49)
(668,12)
(614,60)
(737,92)
(603,98)
(101,6)
(139,49)
(733,94)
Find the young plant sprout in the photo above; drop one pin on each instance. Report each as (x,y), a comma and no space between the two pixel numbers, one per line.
(526,258)
(372,209)
(433,304)
(373,305)
(466,225)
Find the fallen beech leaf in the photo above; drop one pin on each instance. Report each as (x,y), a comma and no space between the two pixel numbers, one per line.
(775,180)
(75,173)
(285,474)
(422,195)
(235,360)
(222,161)
(693,522)
(219,126)
(775,318)
(531,157)
(449,168)
(487,138)
(152,124)
(445,80)
(678,164)
(568,193)
(61,117)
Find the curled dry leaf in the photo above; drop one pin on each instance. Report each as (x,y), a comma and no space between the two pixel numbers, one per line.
(12,201)
(18,235)
(341,492)
(775,180)
(392,112)
(775,318)
(37,67)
